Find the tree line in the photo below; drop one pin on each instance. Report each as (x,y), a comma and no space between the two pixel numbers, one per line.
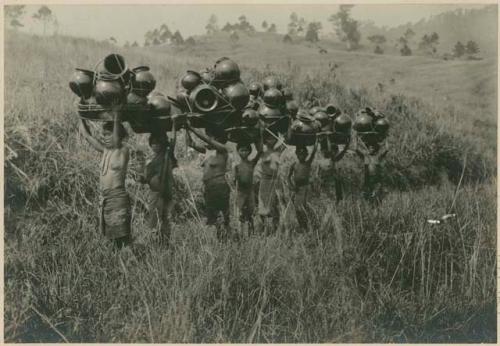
(346,28)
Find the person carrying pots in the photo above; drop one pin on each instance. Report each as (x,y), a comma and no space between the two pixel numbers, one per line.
(372,153)
(217,190)
(329,180)
(299,179)
(158,174)
(115,208)
(269,182)
(243,176)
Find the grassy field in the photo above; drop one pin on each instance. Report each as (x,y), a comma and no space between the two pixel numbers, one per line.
(361,274)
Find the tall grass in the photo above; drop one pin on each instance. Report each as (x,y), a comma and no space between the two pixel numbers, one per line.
(362,273)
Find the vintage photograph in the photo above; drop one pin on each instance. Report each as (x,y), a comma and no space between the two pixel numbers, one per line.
(250,173)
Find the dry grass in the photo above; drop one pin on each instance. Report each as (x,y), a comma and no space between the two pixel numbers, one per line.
(364,274)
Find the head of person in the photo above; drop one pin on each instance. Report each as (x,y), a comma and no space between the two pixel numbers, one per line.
(107,133)
(301,153)
(158,142)
(244,150)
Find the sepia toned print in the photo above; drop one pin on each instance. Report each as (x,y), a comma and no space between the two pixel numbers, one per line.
(195,173)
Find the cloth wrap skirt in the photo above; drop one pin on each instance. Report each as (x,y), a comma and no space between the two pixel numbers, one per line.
(115,215)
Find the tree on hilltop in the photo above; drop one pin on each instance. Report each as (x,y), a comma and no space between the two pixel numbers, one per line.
(312,34)
(297,26)
(272,28)
(458,50)
(13,14)
(264,25)
(45,16)
(177,38)
(378,41)
(471,49)
(346,28)
(212,26)
(428,43)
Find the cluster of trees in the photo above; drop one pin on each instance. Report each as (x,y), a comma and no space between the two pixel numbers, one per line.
(269,27)
(14,15)
(346,28)
(243,25)
(470,49)
(163,35)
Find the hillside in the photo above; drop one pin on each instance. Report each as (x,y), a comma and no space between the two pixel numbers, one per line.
(467,87)
(479,25)
(361,273)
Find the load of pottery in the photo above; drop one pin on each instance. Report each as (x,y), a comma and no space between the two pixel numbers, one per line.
(214,98)
(371,126)
(113,86)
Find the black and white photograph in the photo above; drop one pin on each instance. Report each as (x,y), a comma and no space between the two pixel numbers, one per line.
(250,172)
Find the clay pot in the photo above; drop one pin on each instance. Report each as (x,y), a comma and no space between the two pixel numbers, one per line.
(271,82)
(114,64)
(160,105)
(226,71)
(204,98)
(82,83)
(343,124)
(207,76)
(143,82)
(330,109)
(133,98)
(109,92)
(363,123)
(382,126)
(314,110)
(237,94)
(268,112)
(322,117)
(273,98)
(190,80)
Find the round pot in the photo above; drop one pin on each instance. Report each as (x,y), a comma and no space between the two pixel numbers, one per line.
(109,92)
(237,94)
(82,83)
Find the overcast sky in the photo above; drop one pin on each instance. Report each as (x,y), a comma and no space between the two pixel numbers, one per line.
(130,22)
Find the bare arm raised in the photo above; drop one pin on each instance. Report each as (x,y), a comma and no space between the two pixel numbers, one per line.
(217,145)
(85,131)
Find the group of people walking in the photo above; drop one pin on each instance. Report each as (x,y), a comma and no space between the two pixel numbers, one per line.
(256,189)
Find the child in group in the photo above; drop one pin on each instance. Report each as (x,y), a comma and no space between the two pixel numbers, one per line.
(158,174)
(329,179)
(371,154)
(115,214)
(217,191)
(268,203)
(299,178)
(243,176)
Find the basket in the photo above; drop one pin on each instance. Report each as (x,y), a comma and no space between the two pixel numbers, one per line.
(370,137)
(276,124)
(301,139)
(243,134)
(336,137)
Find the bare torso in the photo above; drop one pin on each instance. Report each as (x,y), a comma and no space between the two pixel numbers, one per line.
(113,170)
(244,174)
(215,166)
(301,173)
(270,163)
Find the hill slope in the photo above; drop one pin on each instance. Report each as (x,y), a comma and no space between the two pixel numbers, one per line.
(479,25)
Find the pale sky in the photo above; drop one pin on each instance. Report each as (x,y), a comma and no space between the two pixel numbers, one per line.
(130,22)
